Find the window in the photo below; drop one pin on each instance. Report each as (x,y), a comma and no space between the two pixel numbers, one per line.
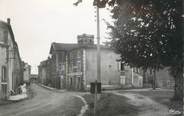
(3,36)
(3,74)
(120,66)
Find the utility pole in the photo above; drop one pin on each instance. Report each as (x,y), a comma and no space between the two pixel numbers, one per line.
(98,46)
(96,96)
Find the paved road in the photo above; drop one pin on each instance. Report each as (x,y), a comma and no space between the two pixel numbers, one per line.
(44,103)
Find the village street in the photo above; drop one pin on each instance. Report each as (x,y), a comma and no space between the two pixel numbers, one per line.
(44,103)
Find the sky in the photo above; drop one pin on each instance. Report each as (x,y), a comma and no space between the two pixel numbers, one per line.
(38,23)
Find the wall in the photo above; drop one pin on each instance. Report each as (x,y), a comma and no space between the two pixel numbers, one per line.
(110,76)
(10,62)
(3,60)
(2,63)
(18,69)
(75,69)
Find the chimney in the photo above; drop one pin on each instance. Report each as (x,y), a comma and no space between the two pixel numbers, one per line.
(85,39)
(8,20)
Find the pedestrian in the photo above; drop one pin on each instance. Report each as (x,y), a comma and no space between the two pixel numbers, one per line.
(23,88)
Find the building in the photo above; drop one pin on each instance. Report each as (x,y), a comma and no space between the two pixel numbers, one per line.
(163,79)
(33,78)
(47,73)
(131,77)
(11,70)
(26,72)
(42,72)
(73,66)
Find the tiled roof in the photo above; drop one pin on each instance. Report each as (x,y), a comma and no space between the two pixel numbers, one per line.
(64,46)
(71,46)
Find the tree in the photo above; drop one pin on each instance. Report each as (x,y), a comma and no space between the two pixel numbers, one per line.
(148,34)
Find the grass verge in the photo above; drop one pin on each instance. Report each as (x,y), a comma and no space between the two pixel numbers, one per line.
(110,105)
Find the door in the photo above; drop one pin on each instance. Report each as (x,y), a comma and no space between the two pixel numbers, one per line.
(4,91)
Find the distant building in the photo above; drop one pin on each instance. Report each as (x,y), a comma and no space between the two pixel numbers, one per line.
(163,79)
(73,66)
(47,73)
(42,72)
(26,72)
(11,70)
(33,78)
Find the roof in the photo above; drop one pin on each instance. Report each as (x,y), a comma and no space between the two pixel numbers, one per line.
(69,46)
(64,46)
(2,23)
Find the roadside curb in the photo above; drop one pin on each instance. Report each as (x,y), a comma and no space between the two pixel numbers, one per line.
(22,96)
(84,107)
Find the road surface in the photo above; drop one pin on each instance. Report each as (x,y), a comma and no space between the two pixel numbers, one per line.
(44,103)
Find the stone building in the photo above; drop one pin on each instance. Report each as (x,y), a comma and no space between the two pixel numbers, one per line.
(11,70)
(73,66)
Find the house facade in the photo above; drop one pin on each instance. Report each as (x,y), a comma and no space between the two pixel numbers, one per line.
(11,69)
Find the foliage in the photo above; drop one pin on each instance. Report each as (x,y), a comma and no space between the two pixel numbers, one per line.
(148,34)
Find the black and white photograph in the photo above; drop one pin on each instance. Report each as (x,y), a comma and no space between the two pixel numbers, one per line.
(91,58)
